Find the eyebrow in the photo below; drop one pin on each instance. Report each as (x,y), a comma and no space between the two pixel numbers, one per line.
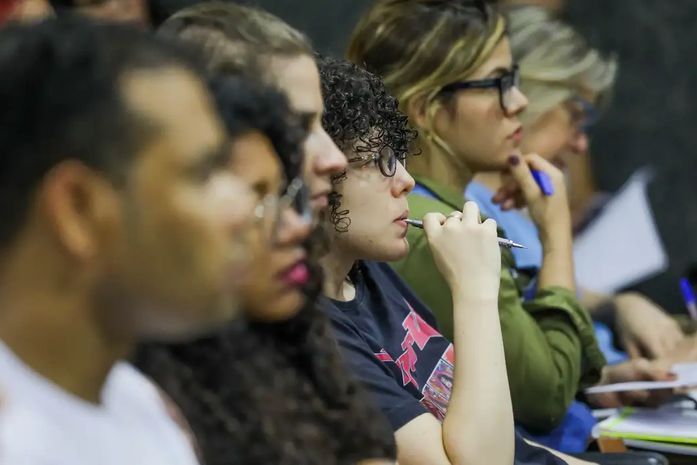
(499,71)
(306,119)
(216,157)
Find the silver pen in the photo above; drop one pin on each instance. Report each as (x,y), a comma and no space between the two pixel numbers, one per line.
(502,242)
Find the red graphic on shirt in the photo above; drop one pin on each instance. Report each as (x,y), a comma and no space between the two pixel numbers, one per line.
(418,334)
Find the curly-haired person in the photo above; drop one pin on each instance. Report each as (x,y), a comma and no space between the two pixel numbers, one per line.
(441,413)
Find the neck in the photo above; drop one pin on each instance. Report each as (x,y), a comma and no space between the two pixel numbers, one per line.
(441,166)
(491,179)
(336,267)
(53,326)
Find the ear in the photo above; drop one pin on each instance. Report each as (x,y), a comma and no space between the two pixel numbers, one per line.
(81,208)
(417,111)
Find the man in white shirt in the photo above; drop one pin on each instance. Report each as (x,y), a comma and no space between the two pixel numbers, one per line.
(121,222)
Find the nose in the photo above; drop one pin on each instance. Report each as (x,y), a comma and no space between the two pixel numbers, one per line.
(402,181)
(292,230)
(518,102)
(329,160)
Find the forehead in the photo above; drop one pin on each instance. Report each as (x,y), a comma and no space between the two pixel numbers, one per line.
(254,158)
(176,102)
(500,58)
(298,78)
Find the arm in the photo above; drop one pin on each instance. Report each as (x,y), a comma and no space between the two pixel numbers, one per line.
(478,425)
(549,342)
(549,213)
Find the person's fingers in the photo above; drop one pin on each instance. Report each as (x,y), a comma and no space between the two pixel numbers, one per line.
(520,170)
(631,348)
(630,398)
(490,225)
(646,370)
(433,223)
(508,204)
(470,213)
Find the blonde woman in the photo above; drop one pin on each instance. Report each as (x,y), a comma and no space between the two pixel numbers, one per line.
(449,64)
(566,80)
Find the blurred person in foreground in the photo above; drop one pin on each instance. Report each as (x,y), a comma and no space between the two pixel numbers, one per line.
(24,10)
(273,388)
(120,225)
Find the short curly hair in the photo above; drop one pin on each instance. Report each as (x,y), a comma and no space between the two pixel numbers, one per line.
(360,116)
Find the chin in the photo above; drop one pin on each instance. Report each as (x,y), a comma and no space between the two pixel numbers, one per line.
(281,307)
(395,253)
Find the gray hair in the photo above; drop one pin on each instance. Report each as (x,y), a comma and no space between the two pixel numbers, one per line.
(556,62)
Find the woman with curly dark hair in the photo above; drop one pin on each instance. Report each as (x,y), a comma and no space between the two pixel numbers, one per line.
(269,391)
(272,388)
(441,415)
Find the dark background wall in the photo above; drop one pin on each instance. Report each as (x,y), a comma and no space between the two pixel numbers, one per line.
(652,118)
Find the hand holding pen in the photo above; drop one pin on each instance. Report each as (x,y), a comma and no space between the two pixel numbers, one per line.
(532,181)
(502,242)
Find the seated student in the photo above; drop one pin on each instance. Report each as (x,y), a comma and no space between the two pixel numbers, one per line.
(246,391)
(564,80)
(441,412)
(449,65)
(117,228)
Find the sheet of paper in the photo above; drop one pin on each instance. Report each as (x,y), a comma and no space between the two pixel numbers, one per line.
(686,377)
(678,425)
(622,246)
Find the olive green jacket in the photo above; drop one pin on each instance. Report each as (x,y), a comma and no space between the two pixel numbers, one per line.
(549,341)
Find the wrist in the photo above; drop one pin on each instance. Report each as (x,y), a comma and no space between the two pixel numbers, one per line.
(475,297)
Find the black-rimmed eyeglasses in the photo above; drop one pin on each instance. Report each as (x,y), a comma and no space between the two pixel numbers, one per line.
(385,159)
(505,84)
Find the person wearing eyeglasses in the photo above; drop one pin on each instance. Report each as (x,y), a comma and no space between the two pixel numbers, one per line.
(448,403)
(565,80)
(449,64)
(272,389)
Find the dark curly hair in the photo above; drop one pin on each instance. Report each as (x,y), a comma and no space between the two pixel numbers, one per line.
(360,116)
(263,393)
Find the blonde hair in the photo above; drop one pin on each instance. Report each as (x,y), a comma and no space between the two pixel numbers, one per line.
(556,63)
(232,38)
(419,46)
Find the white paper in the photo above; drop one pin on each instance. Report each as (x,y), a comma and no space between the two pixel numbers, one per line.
(622,246)
(686,377)
(668,423)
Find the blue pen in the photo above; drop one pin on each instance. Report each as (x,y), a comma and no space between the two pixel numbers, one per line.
(543,180)
(689,296)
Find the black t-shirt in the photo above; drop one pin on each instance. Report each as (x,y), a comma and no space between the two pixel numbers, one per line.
(391,342)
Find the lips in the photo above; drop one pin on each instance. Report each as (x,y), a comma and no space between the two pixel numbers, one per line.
(403,217)
(320,201)
(517,135)
(296,275)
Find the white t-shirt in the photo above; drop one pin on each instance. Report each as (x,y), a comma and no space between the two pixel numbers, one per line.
(41,424)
